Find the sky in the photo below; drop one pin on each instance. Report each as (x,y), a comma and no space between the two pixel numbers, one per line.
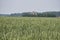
(18,6)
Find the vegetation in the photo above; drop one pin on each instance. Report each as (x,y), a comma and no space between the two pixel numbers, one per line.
(29,28)
(34,14)
(37,14)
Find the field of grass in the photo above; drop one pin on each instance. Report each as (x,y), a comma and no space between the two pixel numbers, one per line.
(29,28)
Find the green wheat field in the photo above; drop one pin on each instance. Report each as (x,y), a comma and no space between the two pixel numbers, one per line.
(29,28)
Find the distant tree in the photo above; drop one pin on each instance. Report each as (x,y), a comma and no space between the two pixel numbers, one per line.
(37,14)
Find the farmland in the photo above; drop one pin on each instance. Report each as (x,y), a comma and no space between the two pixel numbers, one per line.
(29,28)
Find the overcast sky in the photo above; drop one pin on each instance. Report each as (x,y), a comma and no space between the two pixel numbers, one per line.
(17,6)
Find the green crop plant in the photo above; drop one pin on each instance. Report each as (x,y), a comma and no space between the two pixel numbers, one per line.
(29,28)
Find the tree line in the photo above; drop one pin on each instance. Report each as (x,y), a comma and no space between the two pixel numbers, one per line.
(37,14)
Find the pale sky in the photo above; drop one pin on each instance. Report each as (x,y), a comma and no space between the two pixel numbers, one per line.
(17,6)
